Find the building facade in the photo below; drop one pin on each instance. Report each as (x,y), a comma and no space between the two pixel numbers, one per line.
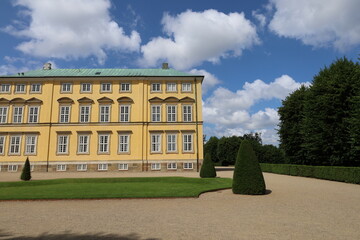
(101,120)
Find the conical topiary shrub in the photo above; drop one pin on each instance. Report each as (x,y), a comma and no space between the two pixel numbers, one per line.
(248,177)
(26,174)
(207,169)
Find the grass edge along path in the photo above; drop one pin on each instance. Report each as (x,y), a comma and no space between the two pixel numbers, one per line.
(107,188)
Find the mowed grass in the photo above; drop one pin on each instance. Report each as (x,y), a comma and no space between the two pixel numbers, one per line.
(90,188)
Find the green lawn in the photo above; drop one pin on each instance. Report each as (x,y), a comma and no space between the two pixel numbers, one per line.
(111,188)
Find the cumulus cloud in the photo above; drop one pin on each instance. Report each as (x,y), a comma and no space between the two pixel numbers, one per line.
(195,37)
(210,80)
(72,29)
(232,112)
(319,23)
(13,65)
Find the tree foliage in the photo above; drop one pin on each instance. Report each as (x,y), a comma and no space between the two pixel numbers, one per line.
(26,173)
(211,148)
(207,169)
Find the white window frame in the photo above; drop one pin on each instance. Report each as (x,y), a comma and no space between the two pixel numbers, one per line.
(124,116)
(188,165)
(102,145)
(171,142)
(85,88)
(155,166)
(188,146)
(123,166)
(171,113)
(61,167)
(84,117)
(63,144)
(186,87)
(83,146)
(18,117)
(172,166)
(15,147)
(35,88)
(66,87)
(155,113)
(124,143)
(81,167)
(155,87)
(125,87)
(30,144)
(64,117)
(155,142)
(171,87)
(13,168)
(187,115)
(2,144)
(102,167)
(4,112)
(5,88)
(20,88)
(105,87)
(103,116)
(33,115)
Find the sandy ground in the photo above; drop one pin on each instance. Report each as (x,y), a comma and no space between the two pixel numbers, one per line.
(296,208)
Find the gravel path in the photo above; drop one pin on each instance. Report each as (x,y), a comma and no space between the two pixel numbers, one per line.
(297,208)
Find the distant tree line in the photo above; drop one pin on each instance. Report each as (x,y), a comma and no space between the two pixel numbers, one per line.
(320,124)
(223,151)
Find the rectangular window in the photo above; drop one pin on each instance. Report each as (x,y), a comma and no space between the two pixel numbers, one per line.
(61,167)
(20,88)
(18,114)
(187,142)
(104,143)
(155,166)
(102,167)
(171,143)
(83,144)
(5,88)
(33,114)
(84,114)
(155,87)
(2,145)
(156,113)
(124,113)
(63,143)
(81,167)
(105,87)
(66,87)
(171,87)
(64,114)
(188,165)
(124,142)
(171,113)
(155,143)
(186,87)
(30,144)
(104,113)
(123,166)
(15,145)
(187,113)
(3,114)
(172,166)
(12,168)
(35,88)
(85,87)
(125,87)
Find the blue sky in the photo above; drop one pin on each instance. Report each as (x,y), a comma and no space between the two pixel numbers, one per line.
(252,53)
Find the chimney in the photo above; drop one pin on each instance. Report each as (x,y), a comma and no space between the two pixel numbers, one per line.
(47,66)
(165,65)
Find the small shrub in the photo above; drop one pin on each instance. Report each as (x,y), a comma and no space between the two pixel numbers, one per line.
(207,168)
(248,178)
(26,174)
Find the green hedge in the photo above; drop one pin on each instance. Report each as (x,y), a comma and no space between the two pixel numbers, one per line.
(340,174)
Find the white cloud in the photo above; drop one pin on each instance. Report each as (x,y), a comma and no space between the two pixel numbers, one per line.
(14,65)
(210,80)
(72,29)
(319,23)
(261,18)
(232,112)
(195,37)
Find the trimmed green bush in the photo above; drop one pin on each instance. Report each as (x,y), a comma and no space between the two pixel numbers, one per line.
(340,174)
(26,174)
(248,178)
(207,169)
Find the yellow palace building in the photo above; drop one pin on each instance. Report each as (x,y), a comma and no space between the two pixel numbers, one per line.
(101,120)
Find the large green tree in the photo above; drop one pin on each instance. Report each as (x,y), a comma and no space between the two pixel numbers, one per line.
(210,147)
(227,149)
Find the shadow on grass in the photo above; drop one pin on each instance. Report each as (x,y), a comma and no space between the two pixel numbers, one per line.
(76,236)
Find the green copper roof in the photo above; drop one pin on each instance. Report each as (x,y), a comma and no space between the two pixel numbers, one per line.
(104,73)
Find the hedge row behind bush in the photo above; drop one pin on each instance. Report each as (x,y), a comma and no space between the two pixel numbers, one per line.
(340,174)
